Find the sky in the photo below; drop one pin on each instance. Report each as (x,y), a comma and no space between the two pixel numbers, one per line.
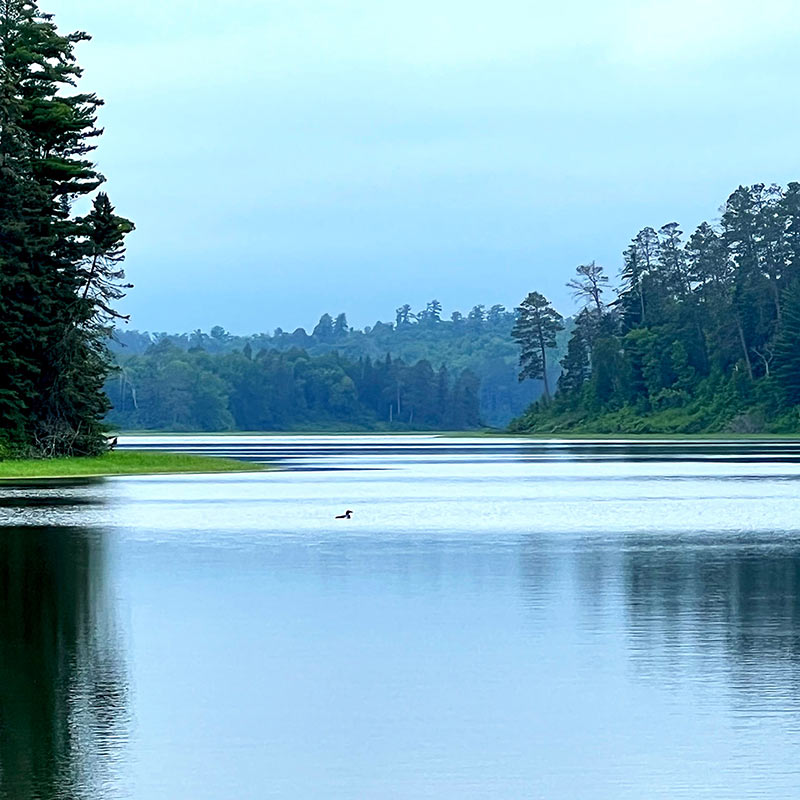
(285,159)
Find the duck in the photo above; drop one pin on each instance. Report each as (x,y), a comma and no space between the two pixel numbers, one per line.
(347,514)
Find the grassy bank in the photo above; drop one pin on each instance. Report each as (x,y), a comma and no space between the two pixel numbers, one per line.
(121,462)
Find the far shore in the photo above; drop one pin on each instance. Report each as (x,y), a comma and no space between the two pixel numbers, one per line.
(484,432)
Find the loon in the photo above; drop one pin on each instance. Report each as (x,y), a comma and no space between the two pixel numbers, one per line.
(346,515)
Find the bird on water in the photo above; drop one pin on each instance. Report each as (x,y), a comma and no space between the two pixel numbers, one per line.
(347,514)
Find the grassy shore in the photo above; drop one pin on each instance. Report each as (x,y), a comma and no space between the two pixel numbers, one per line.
(121,462)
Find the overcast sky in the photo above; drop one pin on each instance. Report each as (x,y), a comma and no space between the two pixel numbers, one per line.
(282,159)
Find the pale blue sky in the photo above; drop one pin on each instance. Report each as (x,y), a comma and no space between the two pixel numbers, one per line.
(282,159)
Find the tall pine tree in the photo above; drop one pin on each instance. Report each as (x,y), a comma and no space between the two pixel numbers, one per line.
(535,330)
(54,310)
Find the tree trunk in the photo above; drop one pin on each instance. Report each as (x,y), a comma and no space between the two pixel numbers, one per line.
(544,368)
(744,348)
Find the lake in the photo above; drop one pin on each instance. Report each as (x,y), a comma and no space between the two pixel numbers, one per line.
(501,618)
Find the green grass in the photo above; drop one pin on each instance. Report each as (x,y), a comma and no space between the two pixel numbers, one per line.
(121,462)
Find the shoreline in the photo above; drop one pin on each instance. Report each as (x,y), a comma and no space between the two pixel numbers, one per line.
(122,463)
(480,433)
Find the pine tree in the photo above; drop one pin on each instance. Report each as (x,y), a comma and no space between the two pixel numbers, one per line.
(432,314)
(53,359)
(630,301)
(589,285)
(340,327)
(323,330)
(671,260)
(791,211)
(575,364)
(770,225)
(535,330)
(404,315)
(787,352)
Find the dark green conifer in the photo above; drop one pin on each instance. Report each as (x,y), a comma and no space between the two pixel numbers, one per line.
(787,351)
(535,330)
(53,314)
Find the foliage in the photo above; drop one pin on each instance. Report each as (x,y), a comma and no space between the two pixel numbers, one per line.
(59,273)
(536,328)
(702,336)
(479,341)
(167,388)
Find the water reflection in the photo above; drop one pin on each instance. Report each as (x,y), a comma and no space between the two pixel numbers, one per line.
(373,451)
(740,600)
(63,704)
(498,619)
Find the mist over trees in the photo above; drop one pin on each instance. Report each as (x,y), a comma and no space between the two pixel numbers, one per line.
(704,332)
(60,273)
(479,342)
(168,388)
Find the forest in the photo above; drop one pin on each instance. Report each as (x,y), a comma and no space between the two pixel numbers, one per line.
(700,335)
(168,388)
(422,347)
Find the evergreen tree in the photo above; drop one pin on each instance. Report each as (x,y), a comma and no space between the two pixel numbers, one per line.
(630,299)
(671,260)
(589,285)
(494,316)
(787,351)
(432,313)
(791,234)
(404,315)
(575,363)
(535,330)
(340,327)
(54,312)
(477,314)
(323,330)
(703,335)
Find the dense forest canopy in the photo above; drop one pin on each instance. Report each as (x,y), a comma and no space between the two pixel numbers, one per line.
(60,271)
(703,334)
(184,390)
(478,342)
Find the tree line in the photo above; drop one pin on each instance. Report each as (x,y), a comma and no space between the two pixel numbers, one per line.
(700,334)
(478,341)
(169,388)
(60,271)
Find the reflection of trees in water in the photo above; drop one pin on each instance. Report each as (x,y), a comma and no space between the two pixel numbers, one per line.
(682,602)
(696,598)
(62,689)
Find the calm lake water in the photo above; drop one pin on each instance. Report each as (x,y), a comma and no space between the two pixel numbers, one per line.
(500,619)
